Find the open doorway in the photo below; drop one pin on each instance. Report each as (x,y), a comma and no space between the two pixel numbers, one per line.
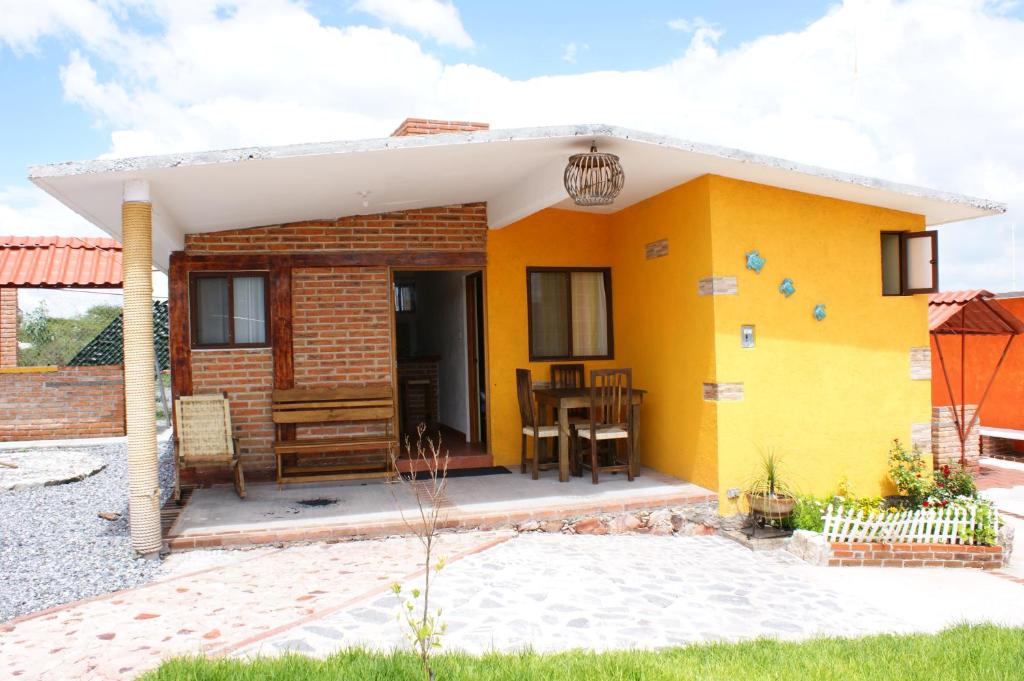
(440,359)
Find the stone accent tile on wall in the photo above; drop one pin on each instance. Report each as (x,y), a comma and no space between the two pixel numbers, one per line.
(70,402)
(8,327)
(723,392)
(921,436)
(717,286)
(444,228)
(921,364)
(946,441)
(656,249)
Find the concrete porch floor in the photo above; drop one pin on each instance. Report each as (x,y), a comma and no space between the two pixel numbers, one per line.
(215,516)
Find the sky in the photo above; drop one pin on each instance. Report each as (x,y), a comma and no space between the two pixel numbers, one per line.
(917,91)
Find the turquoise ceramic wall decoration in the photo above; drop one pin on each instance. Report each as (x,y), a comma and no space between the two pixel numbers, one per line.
(755,261)
(786,288)
(819,312)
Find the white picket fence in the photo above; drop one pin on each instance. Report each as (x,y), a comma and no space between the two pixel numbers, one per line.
(926,525)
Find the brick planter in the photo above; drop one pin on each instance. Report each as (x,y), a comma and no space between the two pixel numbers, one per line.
(851,554)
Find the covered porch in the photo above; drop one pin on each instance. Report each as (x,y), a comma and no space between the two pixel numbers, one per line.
(271,514)
(284,265)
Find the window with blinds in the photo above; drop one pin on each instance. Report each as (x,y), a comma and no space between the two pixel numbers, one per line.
(569,313)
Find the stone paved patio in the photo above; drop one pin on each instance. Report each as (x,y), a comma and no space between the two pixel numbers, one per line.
(555,592)
(545,591)
(209,602)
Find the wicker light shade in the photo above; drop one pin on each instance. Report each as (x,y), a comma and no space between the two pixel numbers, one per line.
(594,179)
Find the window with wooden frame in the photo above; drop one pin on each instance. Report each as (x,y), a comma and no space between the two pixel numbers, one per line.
(910,263)
(229,309)
(569,312)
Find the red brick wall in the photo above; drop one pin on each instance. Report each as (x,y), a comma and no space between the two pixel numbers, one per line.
(427,126)
(246,375)
(445,228)
(71,402)
(341,334)
(850,554)
(8,327)
(340,316)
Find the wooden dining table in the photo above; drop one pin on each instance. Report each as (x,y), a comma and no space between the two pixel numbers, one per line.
(558,402)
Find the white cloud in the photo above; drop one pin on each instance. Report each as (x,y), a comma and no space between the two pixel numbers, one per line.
(571,51)
(912,91)
(432,18)
(685,25)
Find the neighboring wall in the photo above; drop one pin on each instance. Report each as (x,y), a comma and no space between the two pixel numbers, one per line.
(828,397)
(70,402)
(8,327)
(1003,406)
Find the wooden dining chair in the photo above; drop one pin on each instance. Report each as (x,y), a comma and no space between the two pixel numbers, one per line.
(570,376)
(567,376)
(532,428)
(611,420)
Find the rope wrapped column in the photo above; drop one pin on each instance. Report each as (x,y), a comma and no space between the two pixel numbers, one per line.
(139,359)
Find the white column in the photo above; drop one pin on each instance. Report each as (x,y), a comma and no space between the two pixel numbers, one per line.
(139,360)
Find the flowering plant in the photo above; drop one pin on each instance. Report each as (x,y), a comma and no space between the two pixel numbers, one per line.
(909,473)
(953,483)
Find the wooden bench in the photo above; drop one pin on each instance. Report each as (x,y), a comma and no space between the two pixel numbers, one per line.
(349,405)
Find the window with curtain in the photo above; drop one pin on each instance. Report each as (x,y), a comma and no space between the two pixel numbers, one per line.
(229,309)
(569,313)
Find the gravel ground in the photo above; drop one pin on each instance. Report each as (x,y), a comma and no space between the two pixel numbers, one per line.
(54,548)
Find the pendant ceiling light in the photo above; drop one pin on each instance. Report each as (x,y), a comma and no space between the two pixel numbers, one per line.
(594,179)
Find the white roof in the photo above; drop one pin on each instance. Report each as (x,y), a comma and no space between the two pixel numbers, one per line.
(517,172)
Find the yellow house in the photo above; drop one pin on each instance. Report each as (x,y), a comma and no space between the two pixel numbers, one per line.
(762,305)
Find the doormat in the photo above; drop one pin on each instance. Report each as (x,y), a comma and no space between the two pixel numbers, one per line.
(468,472)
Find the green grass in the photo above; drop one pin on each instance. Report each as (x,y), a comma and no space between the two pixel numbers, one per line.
(964,652)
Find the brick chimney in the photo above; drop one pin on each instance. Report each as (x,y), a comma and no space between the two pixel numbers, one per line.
(8,328)
(427,126)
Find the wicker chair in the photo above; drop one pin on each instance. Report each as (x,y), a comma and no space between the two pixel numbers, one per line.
(204,435)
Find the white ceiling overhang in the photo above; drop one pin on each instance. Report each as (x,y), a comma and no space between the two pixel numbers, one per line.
(517,172)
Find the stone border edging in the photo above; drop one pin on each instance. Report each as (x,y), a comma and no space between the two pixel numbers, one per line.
(459,521)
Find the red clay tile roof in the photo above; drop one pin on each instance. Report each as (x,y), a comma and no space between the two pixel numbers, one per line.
(972,312)
(59,261)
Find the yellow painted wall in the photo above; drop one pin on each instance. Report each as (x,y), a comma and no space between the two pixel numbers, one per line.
(550,238)
(662,328)
(827,396)
(665,329)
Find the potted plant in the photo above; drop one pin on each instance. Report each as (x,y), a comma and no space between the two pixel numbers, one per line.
(768,495)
